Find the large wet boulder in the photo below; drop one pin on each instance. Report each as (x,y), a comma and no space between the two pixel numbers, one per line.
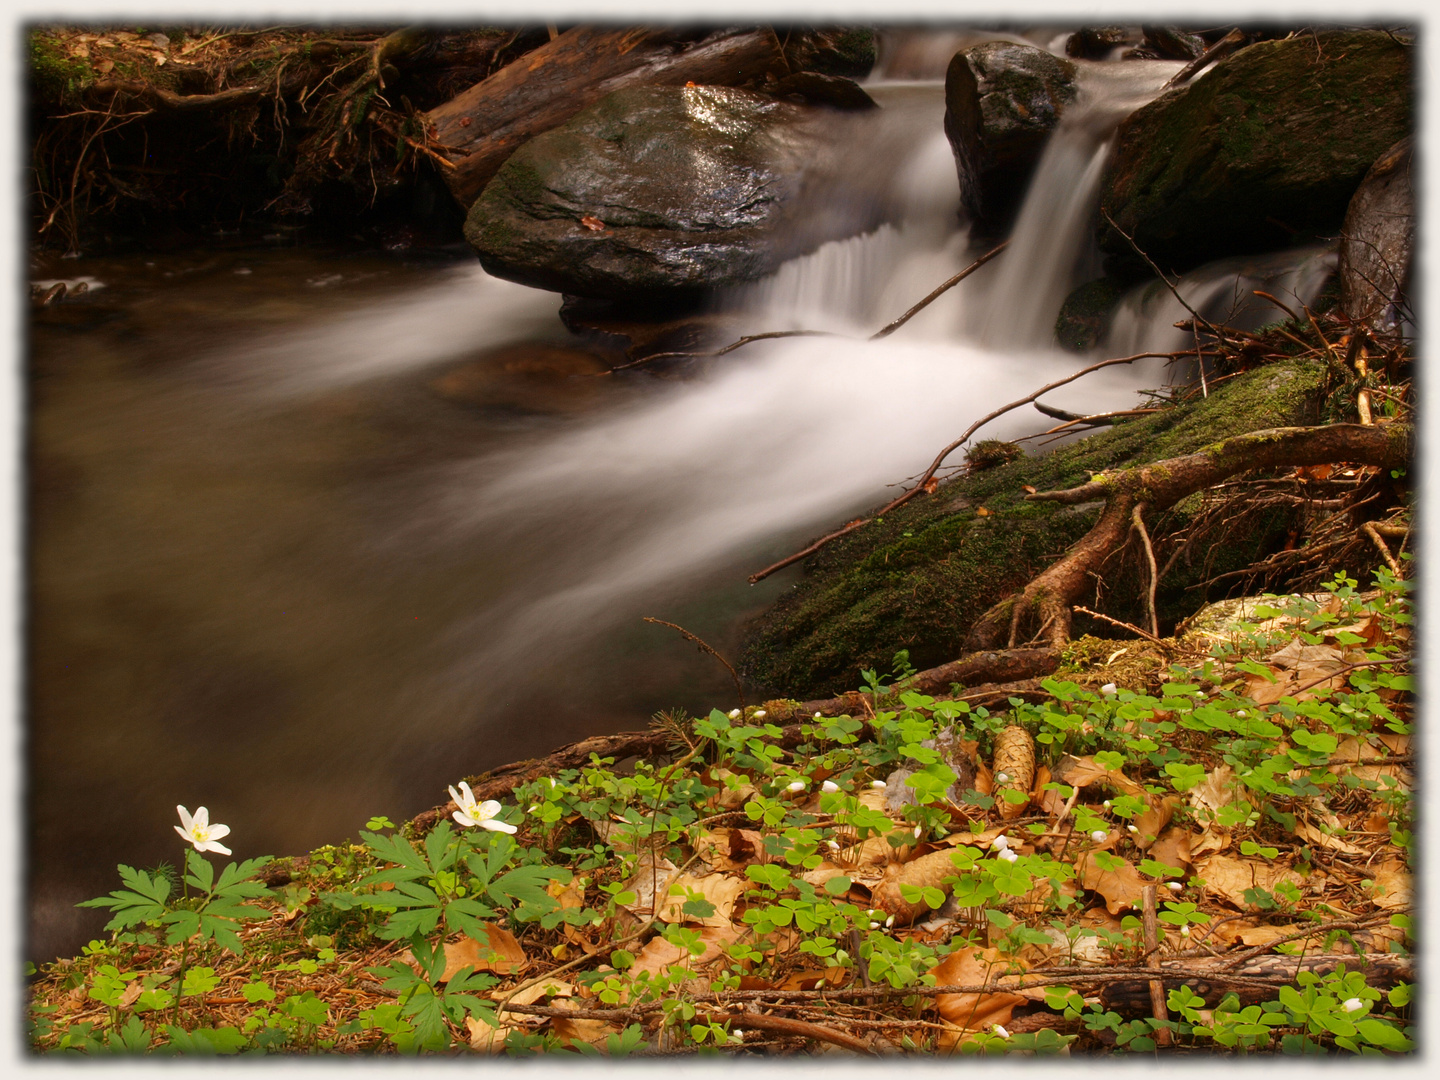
(1378,241)
(651,192)
(1261,152)
(1002,101)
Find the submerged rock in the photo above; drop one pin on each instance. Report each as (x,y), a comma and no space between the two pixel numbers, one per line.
(1002,101)
(1378,241)
(1261,152)
(1085,316)
(651,191)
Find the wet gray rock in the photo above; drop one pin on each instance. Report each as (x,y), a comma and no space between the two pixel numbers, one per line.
(650,192)
(1262,152)
(1378,241)
(1097,42)
(1002,101)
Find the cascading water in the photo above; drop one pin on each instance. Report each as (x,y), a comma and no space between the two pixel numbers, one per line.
(280,568)
(1222,292)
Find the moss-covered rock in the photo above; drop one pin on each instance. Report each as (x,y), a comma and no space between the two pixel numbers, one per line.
(1085,315)
(918,578)
(1261,152)
(1002,101)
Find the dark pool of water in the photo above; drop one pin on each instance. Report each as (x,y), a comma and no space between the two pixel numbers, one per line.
(224,452)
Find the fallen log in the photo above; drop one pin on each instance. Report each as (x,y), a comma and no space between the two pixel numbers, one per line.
(483,126)
(1254,981)
(1048,598)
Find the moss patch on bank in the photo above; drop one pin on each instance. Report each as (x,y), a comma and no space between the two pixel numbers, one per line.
(918,578)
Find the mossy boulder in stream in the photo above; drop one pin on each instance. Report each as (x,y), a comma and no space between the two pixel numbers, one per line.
(920,577)
(1263,151)
(1002,101)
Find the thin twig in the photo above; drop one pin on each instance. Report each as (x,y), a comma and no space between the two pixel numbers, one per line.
(961,276)
(1123,625)
(746,340)
(706,647)
(940,459)
(1137,522)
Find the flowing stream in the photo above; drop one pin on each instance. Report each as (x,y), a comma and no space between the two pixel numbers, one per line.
(313,533)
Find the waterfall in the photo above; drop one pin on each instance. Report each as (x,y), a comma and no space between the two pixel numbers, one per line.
(1223,292)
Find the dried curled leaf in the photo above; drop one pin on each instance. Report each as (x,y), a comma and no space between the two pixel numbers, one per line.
(928,871)
(1014,760)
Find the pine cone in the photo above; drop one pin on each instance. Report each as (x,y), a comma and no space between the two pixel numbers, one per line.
(1015,760)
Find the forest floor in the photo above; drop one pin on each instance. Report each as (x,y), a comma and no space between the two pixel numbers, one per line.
(1193,845)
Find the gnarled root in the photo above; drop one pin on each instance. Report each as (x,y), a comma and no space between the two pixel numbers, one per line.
(1050,595)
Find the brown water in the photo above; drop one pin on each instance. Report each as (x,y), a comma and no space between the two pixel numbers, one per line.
(229,604)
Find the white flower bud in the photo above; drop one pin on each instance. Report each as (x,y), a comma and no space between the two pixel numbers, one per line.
(1008,855)
(832,845)
(890,922)
(1174,886)
(1001,1032)
(1106,804)
(734,714)
(874,925)
(1002,778)
(759,714)
(1001,841)
(878,785)
(817,716)
(797,785)
(533,808)
(1239,712)
(1099,835)
(829,785)
(1352,1005)
(918,831)
(1108,688)
(1132,829)
(1184,931)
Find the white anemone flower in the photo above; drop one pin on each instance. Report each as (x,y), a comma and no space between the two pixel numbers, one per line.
(829,785)
(198,830)
(472,814)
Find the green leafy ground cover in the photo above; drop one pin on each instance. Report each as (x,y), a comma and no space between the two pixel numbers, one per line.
(759,890)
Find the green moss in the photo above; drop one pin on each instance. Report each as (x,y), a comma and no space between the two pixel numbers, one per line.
(920,577)
(55,76)
(1085,315)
